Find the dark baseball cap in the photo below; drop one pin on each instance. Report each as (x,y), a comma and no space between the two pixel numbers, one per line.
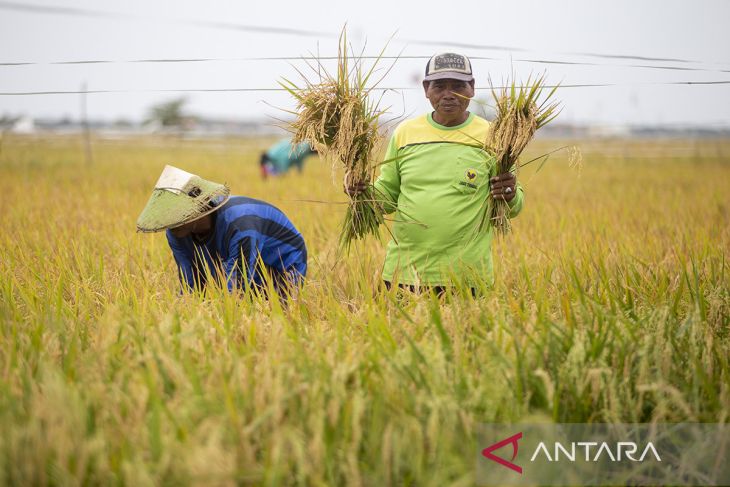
(449,65)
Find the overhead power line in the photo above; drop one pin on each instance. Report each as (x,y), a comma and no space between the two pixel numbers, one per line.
(35,8)
(331,58)
(520,49)
(82,12)
(401,88)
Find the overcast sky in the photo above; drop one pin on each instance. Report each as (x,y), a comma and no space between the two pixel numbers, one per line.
(692,35)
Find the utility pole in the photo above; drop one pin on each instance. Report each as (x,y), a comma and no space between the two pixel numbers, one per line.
(85,125)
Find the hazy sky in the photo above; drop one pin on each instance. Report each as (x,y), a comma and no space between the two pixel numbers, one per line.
(524,30)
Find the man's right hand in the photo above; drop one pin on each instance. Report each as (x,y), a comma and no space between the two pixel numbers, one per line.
(355,189)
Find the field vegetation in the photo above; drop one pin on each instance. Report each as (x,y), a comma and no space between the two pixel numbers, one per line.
(611,304)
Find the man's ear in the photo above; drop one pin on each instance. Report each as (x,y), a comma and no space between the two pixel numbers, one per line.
(425,87)
(471,84)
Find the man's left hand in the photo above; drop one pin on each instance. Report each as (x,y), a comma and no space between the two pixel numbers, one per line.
(503,186)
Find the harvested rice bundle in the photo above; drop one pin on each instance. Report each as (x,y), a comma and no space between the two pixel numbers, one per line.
(339,119)
(521,111)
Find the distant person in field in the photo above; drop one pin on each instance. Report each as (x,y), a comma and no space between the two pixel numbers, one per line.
(232,239)
(436,182)
(284,155)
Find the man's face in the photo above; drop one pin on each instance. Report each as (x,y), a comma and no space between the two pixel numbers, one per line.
(449,97)
(184,230)
(201,226)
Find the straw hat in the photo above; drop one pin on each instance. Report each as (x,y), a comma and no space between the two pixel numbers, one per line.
(179,198)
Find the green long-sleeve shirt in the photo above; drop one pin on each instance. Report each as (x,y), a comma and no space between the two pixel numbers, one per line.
(436,179)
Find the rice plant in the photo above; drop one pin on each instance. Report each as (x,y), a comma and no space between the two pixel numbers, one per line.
(521,111)
(337,115)
(603,310)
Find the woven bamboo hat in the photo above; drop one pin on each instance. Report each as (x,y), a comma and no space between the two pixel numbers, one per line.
(180,197)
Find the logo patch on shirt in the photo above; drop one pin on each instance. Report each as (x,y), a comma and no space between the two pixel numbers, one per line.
(470,177)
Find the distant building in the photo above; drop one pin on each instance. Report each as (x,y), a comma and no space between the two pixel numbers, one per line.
(24,125)
(613,131)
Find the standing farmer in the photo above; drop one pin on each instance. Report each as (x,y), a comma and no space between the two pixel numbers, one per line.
(436,180)
(232,239)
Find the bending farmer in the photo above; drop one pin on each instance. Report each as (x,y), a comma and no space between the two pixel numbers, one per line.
(233,239)
(284,155)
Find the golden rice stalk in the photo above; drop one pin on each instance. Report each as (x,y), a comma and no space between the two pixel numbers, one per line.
(339,119)
(521,111)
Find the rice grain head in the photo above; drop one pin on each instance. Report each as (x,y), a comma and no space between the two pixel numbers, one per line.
(336,116)
(521,111)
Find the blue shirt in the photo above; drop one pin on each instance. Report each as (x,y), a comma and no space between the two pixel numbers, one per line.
(244,231)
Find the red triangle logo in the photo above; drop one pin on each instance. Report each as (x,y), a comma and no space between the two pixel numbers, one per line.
(487,452)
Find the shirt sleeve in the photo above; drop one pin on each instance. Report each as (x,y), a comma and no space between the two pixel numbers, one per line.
(388,183)
(188,277)
(515,205)
(241,261)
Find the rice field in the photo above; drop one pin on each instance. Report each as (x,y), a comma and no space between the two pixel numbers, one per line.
(611,304)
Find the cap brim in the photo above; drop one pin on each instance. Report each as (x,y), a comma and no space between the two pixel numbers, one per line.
(449,75)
